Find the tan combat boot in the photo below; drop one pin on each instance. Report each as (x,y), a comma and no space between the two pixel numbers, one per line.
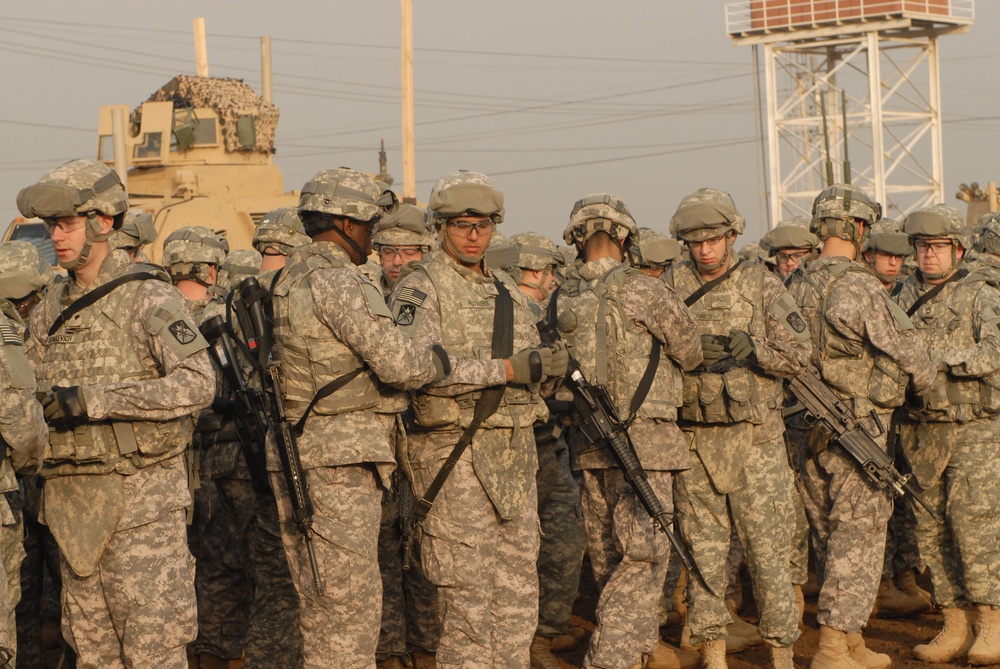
(782,657)
(832,652)
(666,656)
(953,641)
(892,602)
(864,655)
(567,641)
(907,582)
(713,654)
(734,644)
(986,649)
(541,654)
(741,628)
(420,659)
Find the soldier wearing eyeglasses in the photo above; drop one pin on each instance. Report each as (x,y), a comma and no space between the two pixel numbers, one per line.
(951,438)
(480,538)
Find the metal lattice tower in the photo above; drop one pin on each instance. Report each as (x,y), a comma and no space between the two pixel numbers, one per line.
(872,67)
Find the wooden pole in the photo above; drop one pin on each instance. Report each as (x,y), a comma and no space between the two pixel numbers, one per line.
(265,68)
(409,169)
(200,48)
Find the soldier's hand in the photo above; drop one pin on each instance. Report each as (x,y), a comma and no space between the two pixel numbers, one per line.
(560,361)
(713,348)
(65,408)
(740,345)
(529,364)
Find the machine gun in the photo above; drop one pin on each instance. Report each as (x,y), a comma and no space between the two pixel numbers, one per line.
(250,414)
(844,427)
(259,343)
(601,425)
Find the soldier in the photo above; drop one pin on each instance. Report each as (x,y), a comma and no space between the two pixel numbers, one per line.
(24,275)
(480,539)
(136,232)
(239,264)
(865,349)
(409,600)
(653,253)
(23,433)
(563,541)
(986,243)
(884,250)
(330,320)
(122,367)
(627,553)
(193,256)
(752,336)
(792,245)
(273,638)
(951,437)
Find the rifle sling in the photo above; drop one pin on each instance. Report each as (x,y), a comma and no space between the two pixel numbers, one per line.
(705,287)
(324,392)
(486,405)
(932,293)
(93,296)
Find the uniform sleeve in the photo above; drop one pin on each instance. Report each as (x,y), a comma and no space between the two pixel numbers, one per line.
(785,348)
(652,304)
(858,308)
(422,323)
(983,359)
(21,424)
(165,334)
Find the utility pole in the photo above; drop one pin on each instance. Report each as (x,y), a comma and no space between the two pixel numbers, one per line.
(200,48)
(409,169)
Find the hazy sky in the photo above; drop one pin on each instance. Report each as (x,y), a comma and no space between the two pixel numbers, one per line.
(553,98)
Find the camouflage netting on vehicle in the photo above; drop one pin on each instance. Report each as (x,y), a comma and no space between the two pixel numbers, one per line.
(231,99)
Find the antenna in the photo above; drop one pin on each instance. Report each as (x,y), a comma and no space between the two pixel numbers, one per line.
(826,142)
(847,160)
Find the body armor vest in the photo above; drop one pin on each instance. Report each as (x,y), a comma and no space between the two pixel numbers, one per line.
(611,349)
(466,311)
(739,393)
(854,369)
(947,324)
(95,347)
(309,354)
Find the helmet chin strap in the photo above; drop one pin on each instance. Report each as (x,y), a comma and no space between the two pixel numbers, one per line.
(94,234)
(362,254)
(730,241)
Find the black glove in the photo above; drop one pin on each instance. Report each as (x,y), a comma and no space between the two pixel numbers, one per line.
(531,364)
(740,345)
(713,348)
(65,408)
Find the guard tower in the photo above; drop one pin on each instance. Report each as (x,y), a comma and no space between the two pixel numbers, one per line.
(851,85)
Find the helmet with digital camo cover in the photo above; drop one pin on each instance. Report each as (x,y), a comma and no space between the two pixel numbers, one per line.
(279,232)
(537,253)
(24,275)
(407,226)
(939,221)
(465,193)
(708,213)
(189,253)
(986,235)
(77,188)
(837,210)
(601,212)
(653,249)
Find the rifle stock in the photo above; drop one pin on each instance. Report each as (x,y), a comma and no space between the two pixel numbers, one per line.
(846,429)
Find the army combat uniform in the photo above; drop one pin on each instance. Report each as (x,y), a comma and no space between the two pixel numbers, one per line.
(23,433)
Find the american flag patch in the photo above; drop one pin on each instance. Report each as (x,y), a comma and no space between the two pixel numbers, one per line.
(8,334)
(411,295)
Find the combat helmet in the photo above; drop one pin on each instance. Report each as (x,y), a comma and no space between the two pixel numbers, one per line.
(239,264)
(706,214)
(836,210)
(534,252)
(279,232)
(986,236)
(24,274)
(602,212)
(407,226)
(654,249)
(77,188)
(500,253)
(887,236)
(791,234)
(939,221)
(137,230)
(464,193)
(189,253)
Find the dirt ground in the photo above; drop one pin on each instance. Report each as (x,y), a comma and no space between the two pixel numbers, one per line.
(894,637)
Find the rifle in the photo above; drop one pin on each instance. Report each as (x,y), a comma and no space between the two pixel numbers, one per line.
(252,298)
(601,425)
(250,416)
(844,427)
